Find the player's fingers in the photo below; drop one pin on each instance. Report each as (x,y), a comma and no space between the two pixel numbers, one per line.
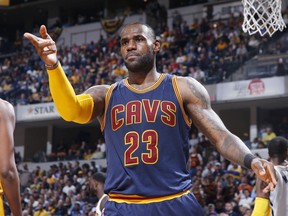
(39,42)
(48,52)
(43,32)
(32,38)
(260,169)
(271,171)
(50,44)
(269,187)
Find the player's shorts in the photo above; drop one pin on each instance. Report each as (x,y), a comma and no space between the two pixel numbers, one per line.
(185,205)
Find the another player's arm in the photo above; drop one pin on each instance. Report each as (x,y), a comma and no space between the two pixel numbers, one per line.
(261,206)
(197,104)
(8,171)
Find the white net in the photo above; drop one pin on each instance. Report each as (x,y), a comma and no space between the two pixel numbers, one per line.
(263,16)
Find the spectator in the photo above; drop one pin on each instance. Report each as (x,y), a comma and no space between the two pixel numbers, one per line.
(229,209)
(245,209)
(254,144)
(76,209)
(211,210)
(60,208)
(253,42)
(268,136)
(40,211)
(195,160)
(69,187)
(244,185)
(193,140)
(246,199)
(241,52)
(235,171)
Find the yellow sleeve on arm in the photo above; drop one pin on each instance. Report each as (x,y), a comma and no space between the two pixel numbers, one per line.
(261,207)
(71,107)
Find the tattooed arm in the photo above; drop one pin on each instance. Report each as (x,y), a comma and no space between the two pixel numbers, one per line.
(197,105)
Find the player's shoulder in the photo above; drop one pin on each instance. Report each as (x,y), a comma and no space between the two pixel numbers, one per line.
(190,87)
(188,81)
(6,107)
(7,113)
(99,90)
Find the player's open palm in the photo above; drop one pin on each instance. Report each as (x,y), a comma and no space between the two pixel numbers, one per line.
(44,45)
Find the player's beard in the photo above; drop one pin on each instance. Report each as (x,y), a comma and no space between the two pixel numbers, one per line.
(143,65)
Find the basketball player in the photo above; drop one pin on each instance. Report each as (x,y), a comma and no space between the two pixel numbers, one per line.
(146,120)
(97,184)
(9,179)
(276,202)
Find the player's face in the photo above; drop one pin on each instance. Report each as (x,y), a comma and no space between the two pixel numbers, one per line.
(137,48)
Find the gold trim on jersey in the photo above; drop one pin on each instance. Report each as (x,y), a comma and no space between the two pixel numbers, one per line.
(179,97)
(155,85)
(136,199)
(107,99)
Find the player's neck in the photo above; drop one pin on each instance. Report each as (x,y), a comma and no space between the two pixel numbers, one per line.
(143,80)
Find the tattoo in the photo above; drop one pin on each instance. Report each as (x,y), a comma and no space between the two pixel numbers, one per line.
(198,94)
(208,122)
(236,151)
(203,116)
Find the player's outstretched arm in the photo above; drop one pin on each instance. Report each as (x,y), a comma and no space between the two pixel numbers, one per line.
(78,108)
(197,104)
(8,172)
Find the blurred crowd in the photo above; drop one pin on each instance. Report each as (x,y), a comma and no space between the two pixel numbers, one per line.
(222,188)
(207,51)
(64,189)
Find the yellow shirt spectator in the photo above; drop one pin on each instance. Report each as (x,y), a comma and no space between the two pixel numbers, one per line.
(268,136)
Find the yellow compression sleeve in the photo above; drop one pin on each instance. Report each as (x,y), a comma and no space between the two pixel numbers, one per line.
(261,207)
(71,107)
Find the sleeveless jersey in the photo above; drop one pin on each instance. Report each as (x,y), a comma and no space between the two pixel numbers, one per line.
(146,133)
(279,197)
(98,206)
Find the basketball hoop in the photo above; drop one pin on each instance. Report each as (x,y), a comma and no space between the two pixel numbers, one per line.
(263,16)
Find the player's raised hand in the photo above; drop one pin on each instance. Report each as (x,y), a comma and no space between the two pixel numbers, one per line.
(45,47)
(265,171)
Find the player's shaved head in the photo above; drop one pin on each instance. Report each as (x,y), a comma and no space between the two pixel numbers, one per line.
(146,29)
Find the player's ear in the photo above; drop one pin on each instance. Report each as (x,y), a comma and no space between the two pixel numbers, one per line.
(156,45)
